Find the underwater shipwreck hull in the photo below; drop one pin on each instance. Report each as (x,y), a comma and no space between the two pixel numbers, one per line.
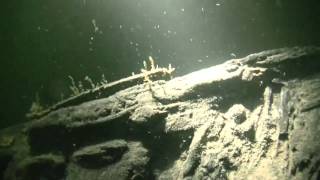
(248,118)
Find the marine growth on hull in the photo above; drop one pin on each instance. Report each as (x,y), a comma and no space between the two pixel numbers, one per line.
(255,117)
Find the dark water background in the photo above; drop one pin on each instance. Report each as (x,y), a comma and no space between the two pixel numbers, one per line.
(44,41)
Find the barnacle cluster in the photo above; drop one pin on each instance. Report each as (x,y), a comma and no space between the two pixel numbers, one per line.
(36,105)
(152,67)
(86,89)
(78,88)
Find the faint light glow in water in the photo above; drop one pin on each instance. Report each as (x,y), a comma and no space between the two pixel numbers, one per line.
(178,33)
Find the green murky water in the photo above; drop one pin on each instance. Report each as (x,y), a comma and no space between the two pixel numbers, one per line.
(43,42)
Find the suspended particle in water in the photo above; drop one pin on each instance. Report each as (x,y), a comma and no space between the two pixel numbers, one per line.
(218,4)
(182,9)
(261,83)
(156,26)
(94,23)
(120,26)
(91,40)
(164,12)
(233,55)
